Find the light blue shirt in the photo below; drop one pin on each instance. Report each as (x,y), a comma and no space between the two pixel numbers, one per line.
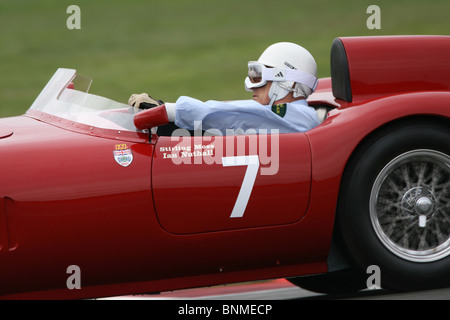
(246,115)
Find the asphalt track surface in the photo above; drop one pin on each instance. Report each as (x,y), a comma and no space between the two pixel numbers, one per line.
(282,289)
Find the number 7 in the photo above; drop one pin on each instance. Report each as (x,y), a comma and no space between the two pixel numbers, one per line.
(252,163)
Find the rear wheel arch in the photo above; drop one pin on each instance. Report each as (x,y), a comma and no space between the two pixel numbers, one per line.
(431,125)
(368,141)
(426,120)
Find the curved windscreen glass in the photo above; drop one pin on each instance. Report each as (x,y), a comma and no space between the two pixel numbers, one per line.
(66,96)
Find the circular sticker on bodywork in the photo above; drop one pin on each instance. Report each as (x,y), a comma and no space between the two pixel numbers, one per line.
(123,155)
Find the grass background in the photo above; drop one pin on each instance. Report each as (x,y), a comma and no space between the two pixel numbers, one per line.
(170,48)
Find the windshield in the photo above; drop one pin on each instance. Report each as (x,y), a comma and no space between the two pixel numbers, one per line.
(66,96)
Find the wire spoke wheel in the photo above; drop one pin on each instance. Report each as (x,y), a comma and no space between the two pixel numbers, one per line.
(394,211)
(410,206)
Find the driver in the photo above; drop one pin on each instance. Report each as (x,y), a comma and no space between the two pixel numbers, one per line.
(281,80)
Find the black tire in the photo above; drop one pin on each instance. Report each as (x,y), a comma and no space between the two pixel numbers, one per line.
(334,283)
(394,208)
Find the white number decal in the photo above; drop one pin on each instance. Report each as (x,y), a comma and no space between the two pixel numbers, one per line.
(252,163)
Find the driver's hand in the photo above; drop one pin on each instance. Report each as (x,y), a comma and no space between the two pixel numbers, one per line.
(143,101)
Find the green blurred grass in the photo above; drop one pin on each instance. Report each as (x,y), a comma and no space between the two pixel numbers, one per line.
(170,48)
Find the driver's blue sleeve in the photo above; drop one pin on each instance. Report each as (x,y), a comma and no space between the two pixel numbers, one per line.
(245,115)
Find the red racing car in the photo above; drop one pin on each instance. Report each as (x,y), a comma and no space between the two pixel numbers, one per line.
(97,201)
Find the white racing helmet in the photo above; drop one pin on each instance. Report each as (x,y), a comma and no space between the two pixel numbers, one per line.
(285,64)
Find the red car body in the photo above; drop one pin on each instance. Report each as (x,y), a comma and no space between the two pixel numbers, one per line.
(156,225)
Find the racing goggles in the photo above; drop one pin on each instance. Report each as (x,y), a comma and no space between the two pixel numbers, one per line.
(259,74)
